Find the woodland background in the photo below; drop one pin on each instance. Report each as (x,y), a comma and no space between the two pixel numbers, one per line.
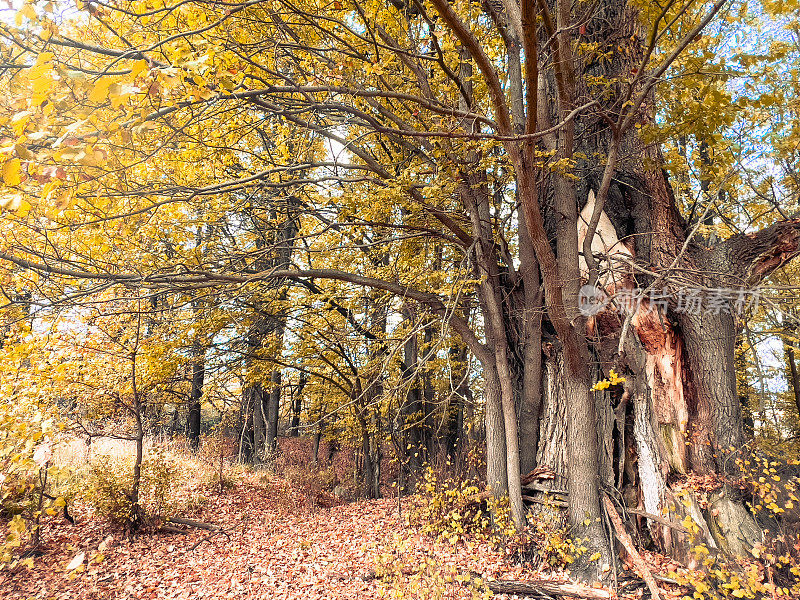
(338,249)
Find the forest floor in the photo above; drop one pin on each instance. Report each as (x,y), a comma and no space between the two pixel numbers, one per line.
(280,536)
(275,545)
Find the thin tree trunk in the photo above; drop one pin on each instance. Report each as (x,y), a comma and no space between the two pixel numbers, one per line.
(459,369)
(412,408)
(273,411)
(530,401)
(297,405)
(429,429)
(196,394)
(496,476)
(316,442)
(264,396)
(794,375)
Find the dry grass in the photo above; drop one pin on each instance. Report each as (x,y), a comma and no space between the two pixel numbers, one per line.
(193,474)
(74,453)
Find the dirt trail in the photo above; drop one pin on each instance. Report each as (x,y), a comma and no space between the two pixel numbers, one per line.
(278,548)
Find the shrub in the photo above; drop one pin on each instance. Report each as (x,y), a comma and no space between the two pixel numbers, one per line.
(447,510)
(314,482)
(405,573)
(452,509)
(108,487)
(774,570)
(26,438)
(550,542)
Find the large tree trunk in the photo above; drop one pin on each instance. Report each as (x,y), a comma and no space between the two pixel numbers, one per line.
(681,379)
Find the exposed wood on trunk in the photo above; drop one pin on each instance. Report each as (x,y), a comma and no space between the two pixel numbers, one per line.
(541,473)
(658,519)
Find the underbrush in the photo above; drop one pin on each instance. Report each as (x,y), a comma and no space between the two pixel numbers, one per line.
(772,489)
(100,476)
(26,472)
(405,573)
(318,483)
(108,487)
(453,510)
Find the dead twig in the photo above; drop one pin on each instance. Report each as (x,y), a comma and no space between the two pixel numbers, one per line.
(208,537)
(546,589)
(658,519)
(195,524)
(627,543)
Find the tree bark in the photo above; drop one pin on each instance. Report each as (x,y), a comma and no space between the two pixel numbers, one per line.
(263,394)
(196,394)
(530,398)
(297,404)
(412,409)
(791,362)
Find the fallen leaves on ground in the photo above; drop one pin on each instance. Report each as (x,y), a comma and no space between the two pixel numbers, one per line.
(276,547)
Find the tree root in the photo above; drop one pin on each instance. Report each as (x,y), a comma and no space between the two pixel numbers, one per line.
(170,529)
(208,537)
(195,524)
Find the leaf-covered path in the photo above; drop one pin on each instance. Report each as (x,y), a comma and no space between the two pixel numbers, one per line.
(278,547)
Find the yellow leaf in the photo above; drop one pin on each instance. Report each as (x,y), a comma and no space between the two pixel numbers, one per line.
(26,11)
(100,90)
(23,152)
(11,172)
(137,68)
(115,95)
(40,89)
(44,57)
(24,208)
(19,121)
